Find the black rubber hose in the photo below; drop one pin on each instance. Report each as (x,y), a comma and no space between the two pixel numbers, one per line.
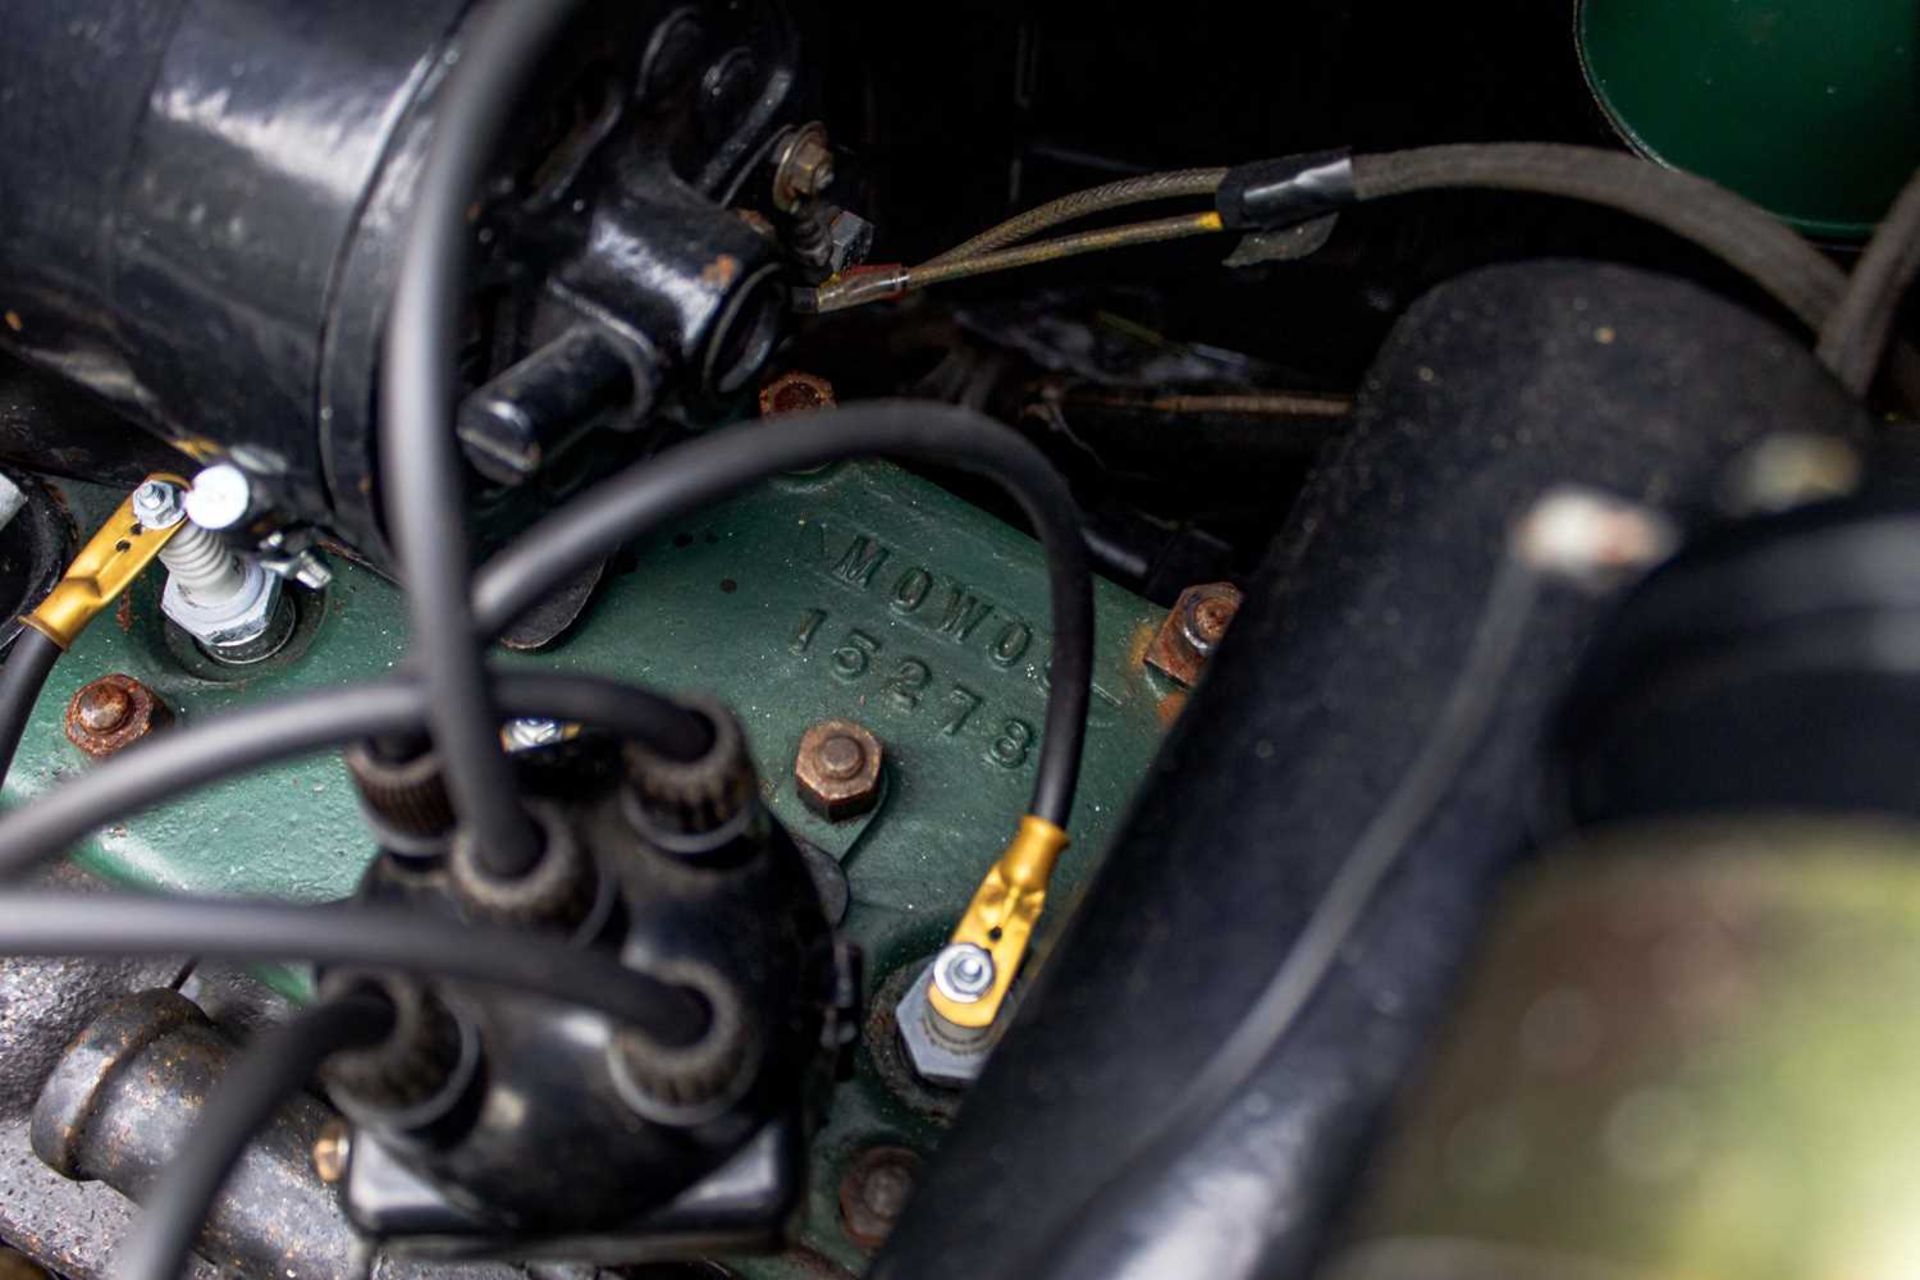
(21,679)
(419,453)
(647,496)
(1855,337)
(36,923)
(271,1073)
(1380,848)
(240,741)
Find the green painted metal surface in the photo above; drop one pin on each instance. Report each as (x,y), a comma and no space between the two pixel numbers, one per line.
(1809,107)
(860,591)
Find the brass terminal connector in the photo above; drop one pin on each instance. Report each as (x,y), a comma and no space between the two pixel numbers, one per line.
(105,567)
(1000,919)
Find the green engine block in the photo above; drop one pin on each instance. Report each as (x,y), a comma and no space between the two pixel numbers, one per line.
(859,592)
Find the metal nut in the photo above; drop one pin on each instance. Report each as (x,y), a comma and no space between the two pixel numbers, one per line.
(229,625)
(874,1190)
(964,973)
(795,392)
(113,713)
(837,770)
(939,1052)
(1193,630)
(157,505)
(803,167)
(850,240)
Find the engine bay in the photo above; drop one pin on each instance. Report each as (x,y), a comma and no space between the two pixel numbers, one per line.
(772,640)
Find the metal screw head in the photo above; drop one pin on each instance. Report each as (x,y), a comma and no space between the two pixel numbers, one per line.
(803,166)
(157,505)
(112,713)
(332,1150)
(964,973)
(1206,619)
(837,769)
(102,707)
(874,1190)
(795,392)
(220,498)
(1193,630)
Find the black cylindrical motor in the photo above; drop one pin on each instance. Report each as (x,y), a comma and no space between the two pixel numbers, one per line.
(220,187)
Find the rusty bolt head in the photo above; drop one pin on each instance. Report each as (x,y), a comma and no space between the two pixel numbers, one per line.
(331,1151)
(838,769)
(1206,620)
(795,393)
(803,167)
(112,713)
(876,1187)
(1193,630)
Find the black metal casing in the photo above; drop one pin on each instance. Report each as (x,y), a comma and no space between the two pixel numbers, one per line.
(219,189)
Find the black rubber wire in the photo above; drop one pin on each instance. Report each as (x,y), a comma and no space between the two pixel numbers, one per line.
(272,1071)
(423,472)
(90,924)
(649,495)
(1854,341)
(1733,229)
(1853,322)
(22,677)
(176,762)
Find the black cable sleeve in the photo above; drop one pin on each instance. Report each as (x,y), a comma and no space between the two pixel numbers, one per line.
(176,762)
(35,923)
(272,1071)
(27,667)
(419,453)
(1268,195)
(645,497)
(1854,340)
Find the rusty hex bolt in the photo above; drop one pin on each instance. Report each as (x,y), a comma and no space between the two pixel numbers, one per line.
(873,1192)
(1194,628)
(112,713)
(1206,618)
(795,392)
(803,166)
(838,769)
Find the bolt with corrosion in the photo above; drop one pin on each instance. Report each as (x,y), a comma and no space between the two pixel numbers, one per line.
(1193,630)
(795,392)
(331,1151)
(874,1190)
(112,713)
(803,167)
(837,770)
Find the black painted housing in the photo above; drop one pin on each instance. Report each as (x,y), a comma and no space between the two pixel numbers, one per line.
(207,199)
(1492,389)
(1774,667)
